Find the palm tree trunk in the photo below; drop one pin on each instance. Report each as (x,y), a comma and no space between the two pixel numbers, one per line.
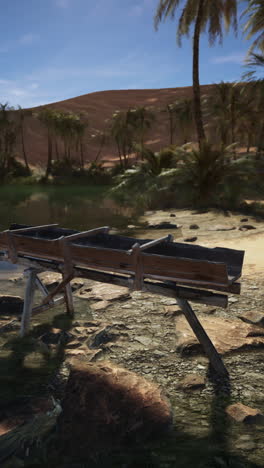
(196,84)
(49,161)
(23,148)
(171,127)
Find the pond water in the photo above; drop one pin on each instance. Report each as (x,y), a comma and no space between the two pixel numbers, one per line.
(77,207)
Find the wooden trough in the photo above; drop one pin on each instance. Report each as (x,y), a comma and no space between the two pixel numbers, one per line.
(159,266)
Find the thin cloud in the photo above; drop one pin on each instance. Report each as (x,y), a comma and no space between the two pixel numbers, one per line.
(27,39)
(140,8)
(62,3)
(230,58)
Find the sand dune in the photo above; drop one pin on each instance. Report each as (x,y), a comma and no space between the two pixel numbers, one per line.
(100,106)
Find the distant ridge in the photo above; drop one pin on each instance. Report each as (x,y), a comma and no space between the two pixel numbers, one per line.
(99,106)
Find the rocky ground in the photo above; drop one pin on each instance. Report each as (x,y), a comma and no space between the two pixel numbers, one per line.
(148,335)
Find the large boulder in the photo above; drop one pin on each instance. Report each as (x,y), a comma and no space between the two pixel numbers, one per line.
(226,334)
(105,406)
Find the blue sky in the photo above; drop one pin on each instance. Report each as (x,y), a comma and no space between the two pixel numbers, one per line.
(52,50)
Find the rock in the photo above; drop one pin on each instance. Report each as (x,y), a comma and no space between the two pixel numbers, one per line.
(163,225)
(102,336)
(51,279)
(172,215)
(232,300)
(190,239)
(192,381)
(242,413)
(226,334)
(77,283)
(171,311)
(222,228)
(11,304)
(131,226)
(194,226)
(144,340)
(246,227)
(56,336)
(101,305)
(254,317)
(74,344)
(105,405)
(244,220)
(7,326)
(104,292)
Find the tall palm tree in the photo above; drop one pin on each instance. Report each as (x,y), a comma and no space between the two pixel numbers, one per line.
(255,23)
(23,113)
(202,14)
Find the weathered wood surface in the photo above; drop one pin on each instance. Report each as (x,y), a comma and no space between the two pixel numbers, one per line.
(191,265)
(178,269)
(28,302)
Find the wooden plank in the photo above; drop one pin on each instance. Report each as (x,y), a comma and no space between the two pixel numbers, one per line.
(32,228)
(152,243)
(91,232)
(203,338)
(41,286)
(28,302)
(138,268)
(185,269)
(58,288)
(41,308)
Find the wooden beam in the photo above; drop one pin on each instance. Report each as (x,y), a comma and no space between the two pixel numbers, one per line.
(40,308)
(202,337)
(32,228)
(152,243)
(58,288)
(28,302)
(91,232)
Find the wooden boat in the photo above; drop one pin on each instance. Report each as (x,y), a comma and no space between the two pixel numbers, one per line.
(161,259)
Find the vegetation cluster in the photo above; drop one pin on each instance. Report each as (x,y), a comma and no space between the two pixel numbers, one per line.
(215,151)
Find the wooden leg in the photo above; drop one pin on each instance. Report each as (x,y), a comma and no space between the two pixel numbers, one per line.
(28,302)
(203,338)
(69,299)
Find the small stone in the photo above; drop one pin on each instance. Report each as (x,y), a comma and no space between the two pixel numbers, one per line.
(131,226)
(194,226)
(192,381)
(232,300)
(101,305)
(190,239)
(73,344)
(243,413)
(163,225)
(222,228)
(145,340)
(246,227)
(254,317)
(244,220)
(77,283)
(158,354)
(172,215)
(171,311)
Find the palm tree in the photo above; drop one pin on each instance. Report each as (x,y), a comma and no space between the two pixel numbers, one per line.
(141,119)
(203,14)
(48,118)
(255,23)
(184,115)
(23,113)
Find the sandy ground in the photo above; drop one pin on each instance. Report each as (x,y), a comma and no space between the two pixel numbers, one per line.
(215,230)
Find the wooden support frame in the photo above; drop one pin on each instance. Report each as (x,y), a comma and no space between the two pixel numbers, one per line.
(202,337)
(171,271)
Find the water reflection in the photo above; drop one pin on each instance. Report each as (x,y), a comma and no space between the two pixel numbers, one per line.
(70,206)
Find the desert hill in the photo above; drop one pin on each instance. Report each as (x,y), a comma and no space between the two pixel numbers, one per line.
(98,107)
